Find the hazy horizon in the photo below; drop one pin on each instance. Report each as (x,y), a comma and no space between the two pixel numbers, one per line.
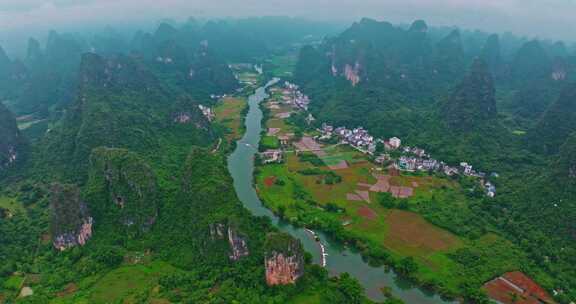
(20,19)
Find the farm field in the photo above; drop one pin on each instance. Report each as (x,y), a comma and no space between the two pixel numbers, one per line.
(403,233)
(282,66)
(327,185)
(121,285)
(229,114)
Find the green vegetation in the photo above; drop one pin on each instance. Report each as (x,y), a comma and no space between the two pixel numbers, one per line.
(269,142)
(281,66)
(121,138)
(229,114)
(134,152)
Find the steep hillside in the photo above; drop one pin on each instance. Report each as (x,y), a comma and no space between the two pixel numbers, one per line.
(566,166)
(120,104)
(449,58)
(12,143)
(473,101)
(491,54)
(556,124)
(52,74)
(530,64)
(71,221)
(223,230)
(13,75)
(122,191)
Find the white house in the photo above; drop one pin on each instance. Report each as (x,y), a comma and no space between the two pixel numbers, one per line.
(395,142)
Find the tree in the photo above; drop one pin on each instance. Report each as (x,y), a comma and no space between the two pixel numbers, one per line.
(407,266)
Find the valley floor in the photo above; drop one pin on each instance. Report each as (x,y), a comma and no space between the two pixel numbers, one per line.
(387,214)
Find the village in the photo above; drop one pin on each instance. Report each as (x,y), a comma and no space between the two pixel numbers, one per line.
(336,173)
(411,159)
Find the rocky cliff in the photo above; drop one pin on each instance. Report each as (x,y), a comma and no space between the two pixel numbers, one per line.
(122,190)
(187,111)
(238,244)
(71,222)
(11,141)
(284,260)
(473,101)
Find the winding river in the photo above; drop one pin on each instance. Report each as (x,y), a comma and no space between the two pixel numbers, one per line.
(339,259)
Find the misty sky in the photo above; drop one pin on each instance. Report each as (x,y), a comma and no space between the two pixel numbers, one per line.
(554,19)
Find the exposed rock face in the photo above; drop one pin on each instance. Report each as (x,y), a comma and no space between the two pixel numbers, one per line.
(237,243)
(11,140)
(559,69)
(473,101)
(71,223)
(284,260)
(186,111)
(352,73)
(124,189)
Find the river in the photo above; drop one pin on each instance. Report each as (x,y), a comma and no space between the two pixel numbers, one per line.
(339,259)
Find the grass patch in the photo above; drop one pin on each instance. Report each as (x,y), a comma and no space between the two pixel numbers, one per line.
(269,142)
(125,283)
(229,114)
(308,298)
(337,154)
(279,124)
(11,204)
(13,283)
(282,66)
(519,132)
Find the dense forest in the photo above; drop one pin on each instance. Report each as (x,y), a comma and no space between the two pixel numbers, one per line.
(112,190)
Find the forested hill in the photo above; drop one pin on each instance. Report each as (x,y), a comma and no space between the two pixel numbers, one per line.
(398,81)
(193,55)
(120,104)
(12,142)
(116,187)
(501,102)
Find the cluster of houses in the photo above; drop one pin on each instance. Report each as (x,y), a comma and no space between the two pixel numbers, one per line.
(207,112)
(271,156)
(412,159)
(358,138)
(416,159)
(217,97)
(291,95)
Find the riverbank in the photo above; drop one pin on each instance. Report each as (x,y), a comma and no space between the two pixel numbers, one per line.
(344,193)
(341,259)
